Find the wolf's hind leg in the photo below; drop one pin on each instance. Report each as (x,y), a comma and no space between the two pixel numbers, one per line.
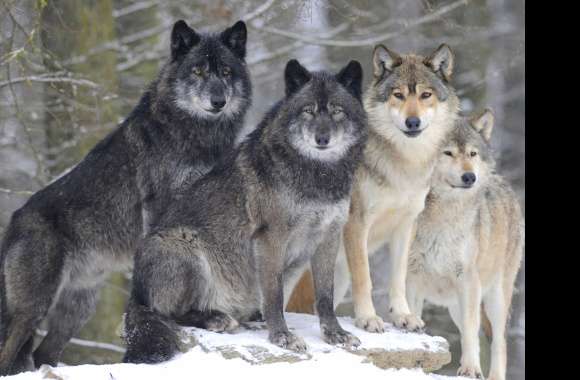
(28,290)
(72,310)
(496,311)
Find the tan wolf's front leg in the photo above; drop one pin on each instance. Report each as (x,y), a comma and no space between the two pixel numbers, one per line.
(399,246)
(355,244)
(468,320)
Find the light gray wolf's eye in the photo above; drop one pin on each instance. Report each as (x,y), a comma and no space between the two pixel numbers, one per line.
(473,154)
(448,153)
(399,95)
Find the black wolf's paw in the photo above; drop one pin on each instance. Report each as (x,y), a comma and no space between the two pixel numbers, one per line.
(340,337)
(289,341)
(221,323)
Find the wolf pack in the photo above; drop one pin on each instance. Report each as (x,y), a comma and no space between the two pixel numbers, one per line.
(219,232)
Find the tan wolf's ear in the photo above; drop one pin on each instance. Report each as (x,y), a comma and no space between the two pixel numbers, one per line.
(441,61)
(484,123)
(384,60)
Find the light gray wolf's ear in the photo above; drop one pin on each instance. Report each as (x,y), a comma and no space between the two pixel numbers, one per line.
(484,123)
(296,76)
(183,38)
(384,60)
(441,61)
(351,78)
(235,38)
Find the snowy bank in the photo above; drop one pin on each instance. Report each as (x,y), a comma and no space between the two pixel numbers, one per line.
(238,354)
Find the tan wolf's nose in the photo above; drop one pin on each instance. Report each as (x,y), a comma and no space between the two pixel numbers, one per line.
(413,122)
(468,178)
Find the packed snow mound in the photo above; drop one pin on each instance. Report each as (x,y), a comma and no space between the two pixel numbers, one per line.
(246,353)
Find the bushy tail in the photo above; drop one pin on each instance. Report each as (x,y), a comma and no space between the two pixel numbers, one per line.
(150,336)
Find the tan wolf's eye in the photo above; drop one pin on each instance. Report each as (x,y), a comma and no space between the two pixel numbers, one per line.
(399,95)
(425,95)
(473,154)
(197,71)
(448,153)
(227,71)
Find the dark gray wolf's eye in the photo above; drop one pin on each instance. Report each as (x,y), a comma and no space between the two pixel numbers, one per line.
(425,95)
(226,71)
(308,111)
(337,111)
(197,71)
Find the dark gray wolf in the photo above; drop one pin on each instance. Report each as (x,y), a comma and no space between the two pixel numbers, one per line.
(469,243)
(411,107)
(62,244)
(237,244)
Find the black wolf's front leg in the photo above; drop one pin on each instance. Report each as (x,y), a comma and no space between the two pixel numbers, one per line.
(270,258)
(323,263)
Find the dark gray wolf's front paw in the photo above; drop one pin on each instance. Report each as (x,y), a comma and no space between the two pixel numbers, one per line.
(221,322)
(340,337)
(289,341)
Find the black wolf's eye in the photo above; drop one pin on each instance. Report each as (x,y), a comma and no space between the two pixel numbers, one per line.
(448,153)
(197,71)
(473,154)
(226,71)
(425,95)
(399,95)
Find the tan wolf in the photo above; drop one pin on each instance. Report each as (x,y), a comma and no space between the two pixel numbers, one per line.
(411,107)
(469,244)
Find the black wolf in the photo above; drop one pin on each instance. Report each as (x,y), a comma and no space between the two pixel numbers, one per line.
(242,238)
(61,245)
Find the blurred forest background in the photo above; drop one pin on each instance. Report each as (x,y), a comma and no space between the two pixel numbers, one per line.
(71,70)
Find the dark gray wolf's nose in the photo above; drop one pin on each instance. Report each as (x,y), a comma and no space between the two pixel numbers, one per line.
(218,102)
(413,122)
(468,178)
(322,139)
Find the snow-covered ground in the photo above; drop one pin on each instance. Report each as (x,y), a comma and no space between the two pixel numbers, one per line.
(250,346)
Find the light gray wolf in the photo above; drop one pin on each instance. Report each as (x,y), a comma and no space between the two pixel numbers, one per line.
(236,245)
(469,243)
(62,244)
(411,107)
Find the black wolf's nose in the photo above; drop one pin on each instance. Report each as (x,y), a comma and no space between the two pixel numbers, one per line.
(322,139)
(218,103)
(413,122)
(468,178)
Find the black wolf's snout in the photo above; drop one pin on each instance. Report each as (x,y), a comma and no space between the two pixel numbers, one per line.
(468,178)
(322,139)
(413,123)
(218,102)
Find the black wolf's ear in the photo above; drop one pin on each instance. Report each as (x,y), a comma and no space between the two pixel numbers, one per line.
(235,38)
(296,76)
(183,38)
(351,78)
(384,60)
(441,61)
(484,123)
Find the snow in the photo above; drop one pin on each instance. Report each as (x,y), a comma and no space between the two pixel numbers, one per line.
(324,361)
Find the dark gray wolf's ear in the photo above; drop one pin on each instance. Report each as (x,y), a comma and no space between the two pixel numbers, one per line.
(384,60)
(296,76)
(183,38)
(441,61)
(351,78)
(235,38)
(484,123)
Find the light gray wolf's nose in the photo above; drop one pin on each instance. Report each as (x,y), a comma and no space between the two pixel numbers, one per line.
(413,123)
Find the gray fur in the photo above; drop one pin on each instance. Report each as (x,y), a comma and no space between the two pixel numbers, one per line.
(69,236)
(249,228)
